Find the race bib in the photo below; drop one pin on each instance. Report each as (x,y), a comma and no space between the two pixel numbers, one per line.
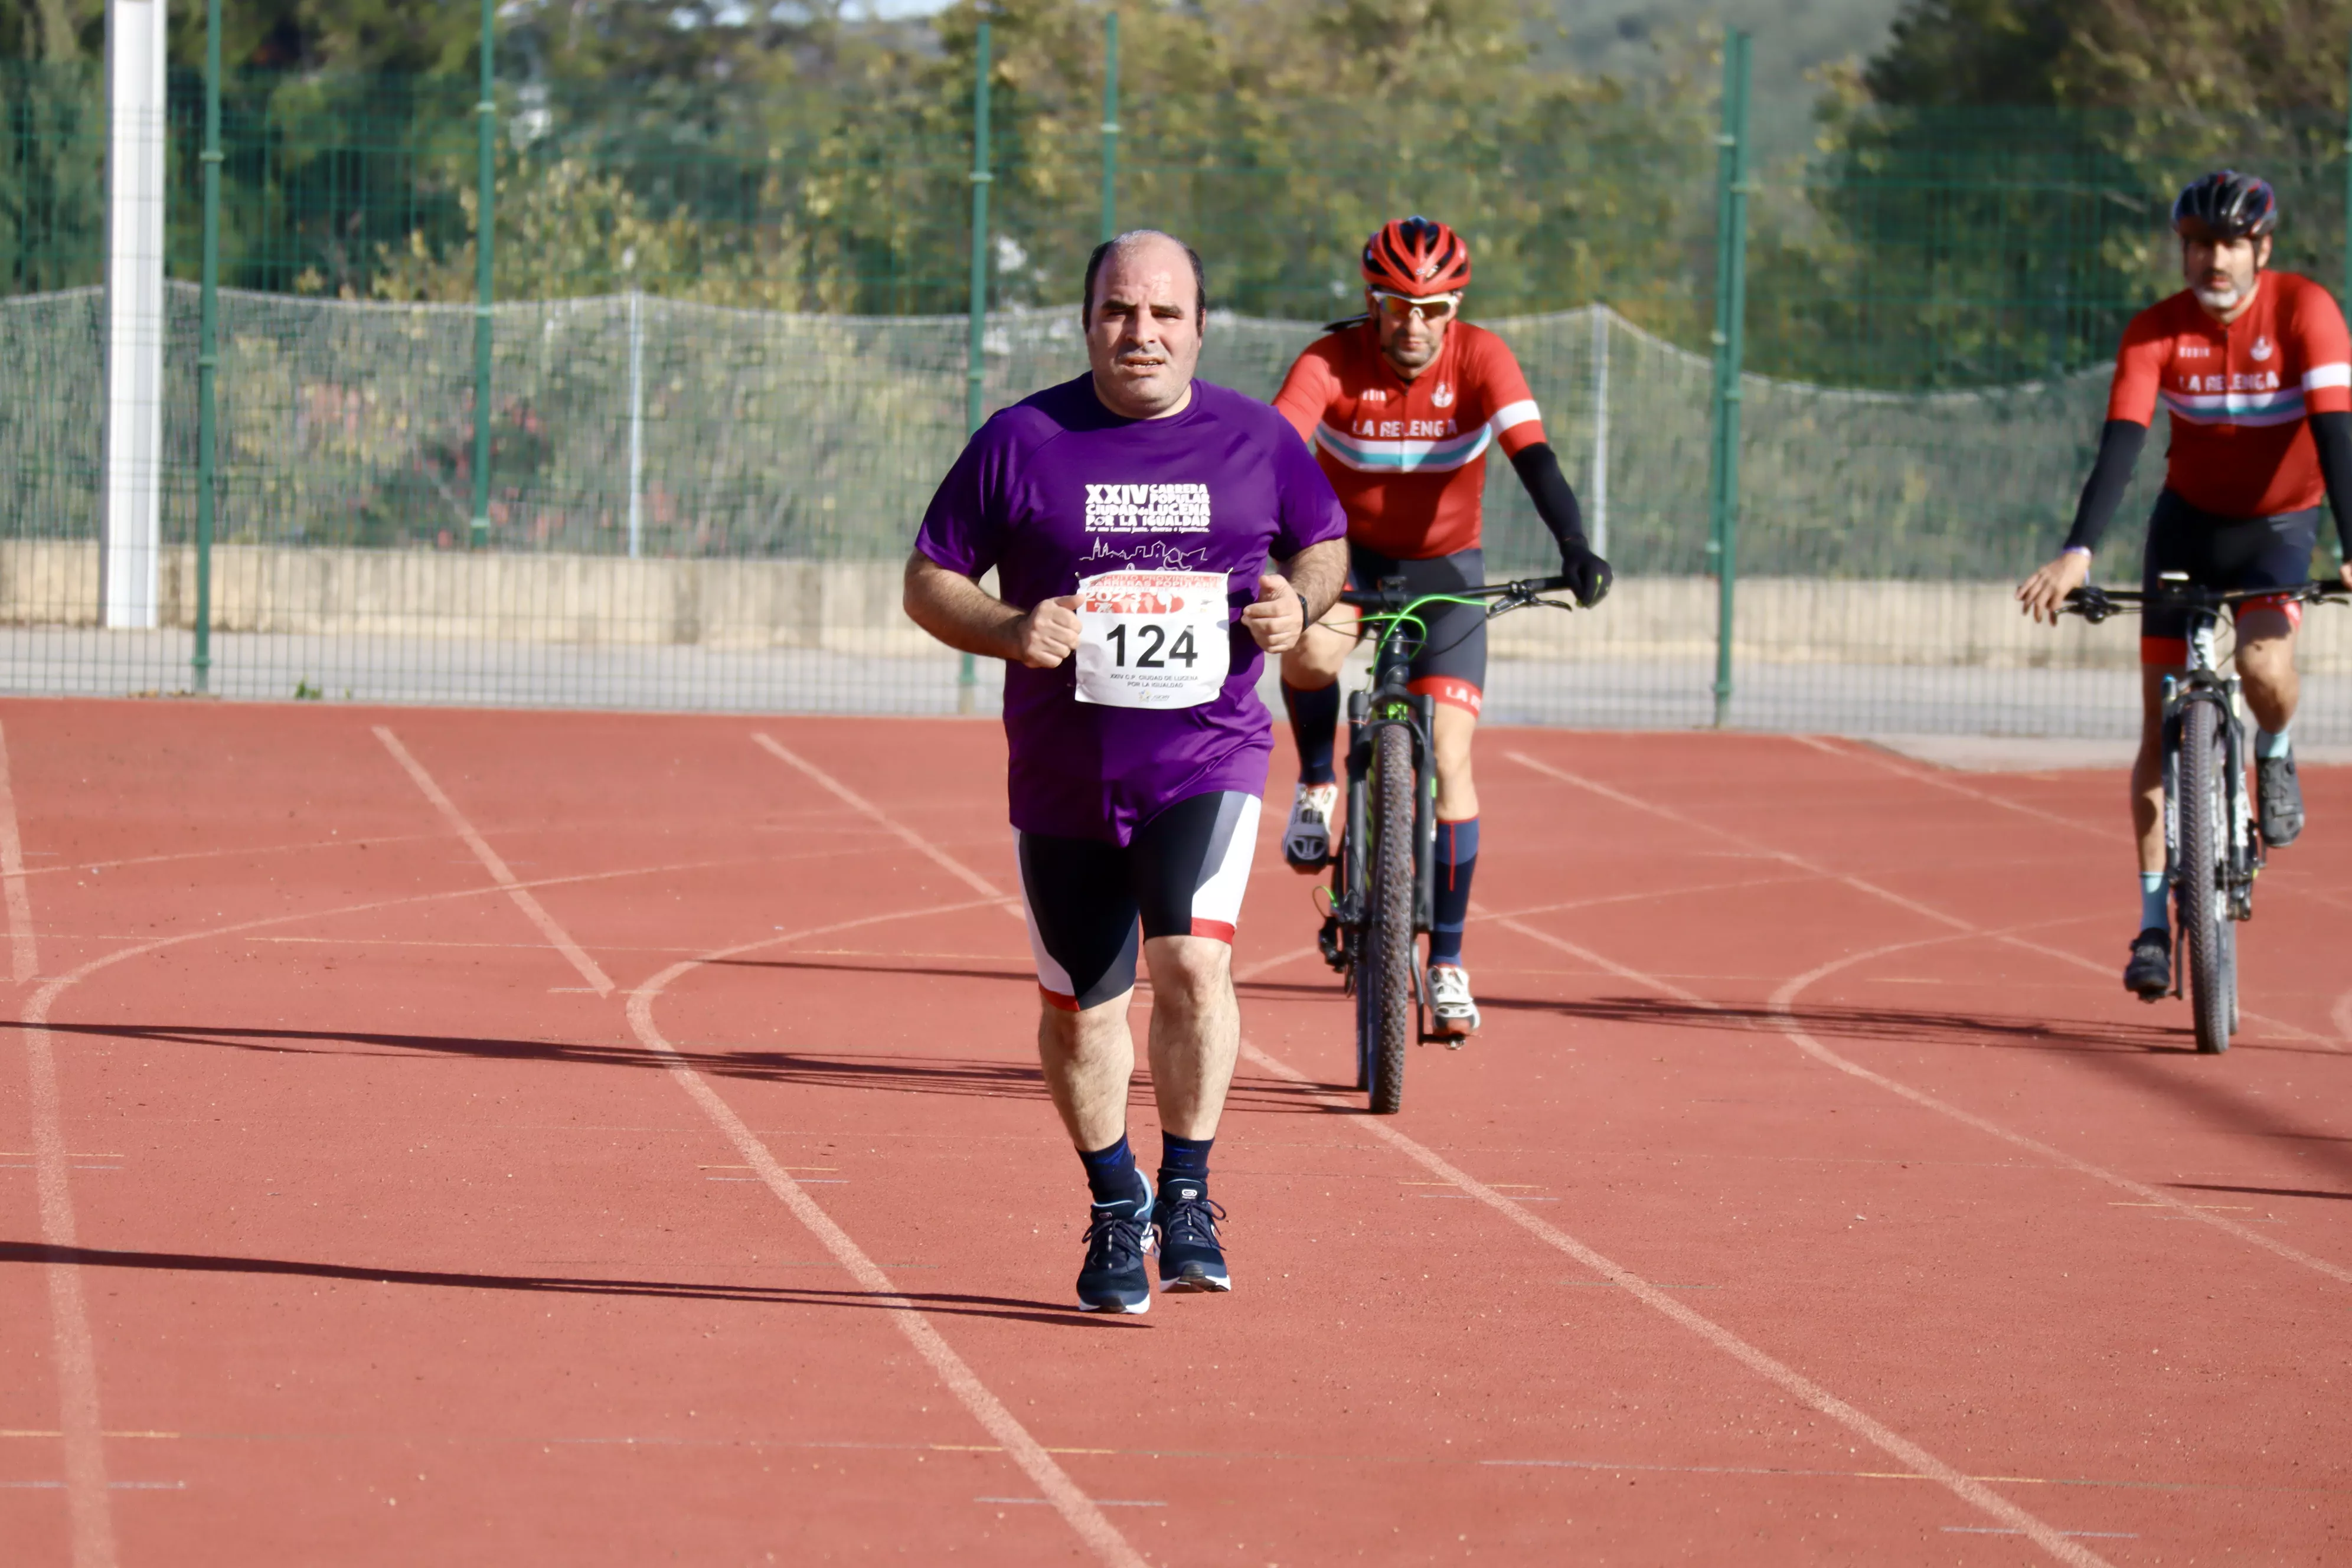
(1151,639)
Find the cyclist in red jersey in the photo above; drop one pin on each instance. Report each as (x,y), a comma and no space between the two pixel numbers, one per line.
(2255,369)
(1401,405)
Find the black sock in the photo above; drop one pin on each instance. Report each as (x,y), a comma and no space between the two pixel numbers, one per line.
(1112,1175)
(1315,728)
(1184,1159)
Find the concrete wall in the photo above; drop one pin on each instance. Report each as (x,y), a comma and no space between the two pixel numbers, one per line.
(853,607)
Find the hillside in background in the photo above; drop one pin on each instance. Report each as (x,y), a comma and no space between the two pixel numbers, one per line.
(1793,37)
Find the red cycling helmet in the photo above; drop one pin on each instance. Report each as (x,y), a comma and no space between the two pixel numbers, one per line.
(1416,257)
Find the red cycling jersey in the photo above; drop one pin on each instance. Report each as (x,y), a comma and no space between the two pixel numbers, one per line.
(1408,458)
(2239,394)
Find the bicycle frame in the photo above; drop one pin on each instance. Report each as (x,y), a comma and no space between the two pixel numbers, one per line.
(1386,702)
(2203,682)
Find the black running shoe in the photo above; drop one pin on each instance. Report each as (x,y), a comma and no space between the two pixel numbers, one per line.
(1190,1257)
(2149,972)
(1115,1279)
(2281,798)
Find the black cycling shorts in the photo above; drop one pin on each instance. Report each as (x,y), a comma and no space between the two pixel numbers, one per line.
(1452,664)
(1182,873)
(2220,553)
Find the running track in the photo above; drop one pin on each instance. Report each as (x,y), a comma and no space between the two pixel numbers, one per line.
(476,1137)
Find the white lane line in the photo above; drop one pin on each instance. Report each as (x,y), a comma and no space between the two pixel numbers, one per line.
(1879,758)
(1862,884)
(86,1486)
(1787,1378)
(1077,1508)
(1081,1512)
(24,962)
(1779,1374)
(556,936)
(1781,1004)
(90,1519)
(875,813)
(2342,1014)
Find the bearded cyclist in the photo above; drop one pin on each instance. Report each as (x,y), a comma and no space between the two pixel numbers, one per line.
(1400,404)
(2255,369)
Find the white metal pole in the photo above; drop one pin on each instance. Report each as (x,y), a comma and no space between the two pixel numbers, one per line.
(1601,429)
(636,422)
(130,523)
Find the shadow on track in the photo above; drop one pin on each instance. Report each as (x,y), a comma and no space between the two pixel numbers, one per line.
(895,1074)
(1888,1024)
(941,1303)
(2260,1191)
(1020,976)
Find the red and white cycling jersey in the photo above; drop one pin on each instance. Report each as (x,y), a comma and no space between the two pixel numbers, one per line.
(1408,458)
(2239,394)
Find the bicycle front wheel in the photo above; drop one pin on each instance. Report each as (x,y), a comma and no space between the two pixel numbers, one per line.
(1387,975)
(2204,851)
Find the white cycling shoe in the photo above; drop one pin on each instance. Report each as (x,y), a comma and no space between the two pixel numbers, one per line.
(1306,838)
(1450,1001)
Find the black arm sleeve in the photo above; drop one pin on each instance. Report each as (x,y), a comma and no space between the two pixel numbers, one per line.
(1538,469)
(2334,434)
(2119,445)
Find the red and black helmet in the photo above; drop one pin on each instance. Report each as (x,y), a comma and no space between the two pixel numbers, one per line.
(2225,204)
(1417,256)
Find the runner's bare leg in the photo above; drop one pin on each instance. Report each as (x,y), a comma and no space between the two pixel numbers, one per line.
(1196,1031)
(1088,1058)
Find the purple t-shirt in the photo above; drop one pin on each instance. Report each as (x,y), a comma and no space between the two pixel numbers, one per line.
(1032,497)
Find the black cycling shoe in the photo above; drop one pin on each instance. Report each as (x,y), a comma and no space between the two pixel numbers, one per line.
(1114,1279)
(1190,1256)
(2281,798)
(2149,972)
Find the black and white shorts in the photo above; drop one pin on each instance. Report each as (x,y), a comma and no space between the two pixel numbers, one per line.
(1182,873)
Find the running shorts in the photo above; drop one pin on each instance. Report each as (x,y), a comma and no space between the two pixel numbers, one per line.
(1452,664)
(2220,553)
(1180,873)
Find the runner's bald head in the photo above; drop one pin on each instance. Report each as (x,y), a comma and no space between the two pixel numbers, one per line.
(1138,245)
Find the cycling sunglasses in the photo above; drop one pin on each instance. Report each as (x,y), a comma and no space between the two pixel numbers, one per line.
(1400,307)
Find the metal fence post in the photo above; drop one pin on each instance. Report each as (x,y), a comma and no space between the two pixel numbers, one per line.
(200,666)
(1599,497)
(485,228)
(637,423)
(967,672)
(1111,126)
(1731,315)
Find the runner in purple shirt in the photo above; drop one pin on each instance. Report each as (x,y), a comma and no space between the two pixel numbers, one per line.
(1131,517)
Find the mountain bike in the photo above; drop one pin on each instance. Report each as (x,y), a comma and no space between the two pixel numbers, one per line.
(1384,878)
(2212,852)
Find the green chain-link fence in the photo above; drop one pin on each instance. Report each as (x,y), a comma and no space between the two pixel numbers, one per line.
(729,366)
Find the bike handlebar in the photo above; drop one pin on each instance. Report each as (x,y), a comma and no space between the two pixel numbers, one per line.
(2095,604)
(1526,590)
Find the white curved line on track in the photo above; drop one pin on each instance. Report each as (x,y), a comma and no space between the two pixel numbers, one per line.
(2342,1014)
(1084,1517)
(1077,1509)
(1782,1003)
(89,1515)
(557,937)
(1864,885)
(1787,1378)
(1807,1043)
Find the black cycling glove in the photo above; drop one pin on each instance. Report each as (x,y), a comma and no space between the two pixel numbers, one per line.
(1589,575)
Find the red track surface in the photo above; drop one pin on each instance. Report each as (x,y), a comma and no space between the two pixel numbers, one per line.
(1813,1193)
